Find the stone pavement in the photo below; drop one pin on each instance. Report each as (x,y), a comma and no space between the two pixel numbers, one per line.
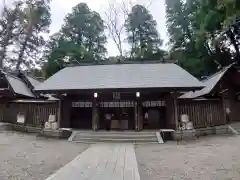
(101,161)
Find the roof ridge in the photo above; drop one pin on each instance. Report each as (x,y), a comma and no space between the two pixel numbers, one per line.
(119,64)
(217,73)
(33,77)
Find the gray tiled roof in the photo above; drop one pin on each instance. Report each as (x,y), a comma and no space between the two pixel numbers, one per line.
(33,81)
(120,76)
(209,83)
(19,86)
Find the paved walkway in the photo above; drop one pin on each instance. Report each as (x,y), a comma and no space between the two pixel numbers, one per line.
(102,161)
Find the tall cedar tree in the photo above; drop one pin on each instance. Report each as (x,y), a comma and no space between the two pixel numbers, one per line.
(84,31)
(81,39)
(142,32)
(35,21)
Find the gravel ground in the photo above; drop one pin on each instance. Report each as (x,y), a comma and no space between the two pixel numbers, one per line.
(27,157)
(209,158)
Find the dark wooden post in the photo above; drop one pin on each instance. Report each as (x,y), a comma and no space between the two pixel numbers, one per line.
(226,106)
(95,115)
(138,113)
(59,113)
(60,109)
(176,113)
(64,111)
(171,122)
(135,115)
(140,117)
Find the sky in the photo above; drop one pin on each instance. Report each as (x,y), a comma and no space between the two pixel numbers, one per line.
(60,8)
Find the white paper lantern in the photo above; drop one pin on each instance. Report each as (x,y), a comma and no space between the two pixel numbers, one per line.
(95,95)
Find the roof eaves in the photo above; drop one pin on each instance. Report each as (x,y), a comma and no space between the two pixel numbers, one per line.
(28,94)
(208,88)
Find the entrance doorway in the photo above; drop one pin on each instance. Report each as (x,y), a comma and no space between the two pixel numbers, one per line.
(119,118)
(154,118)
(81,118)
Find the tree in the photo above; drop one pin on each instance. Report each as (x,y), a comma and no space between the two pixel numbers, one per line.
(36,19)
(55,53)
(84,32)
(116,16)
(232,10)
(142,34)
(193,27)
(9,22)
(181,35)
(232,23)
(81,39)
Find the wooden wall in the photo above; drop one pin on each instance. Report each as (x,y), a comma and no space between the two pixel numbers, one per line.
(34,113)
(203,113)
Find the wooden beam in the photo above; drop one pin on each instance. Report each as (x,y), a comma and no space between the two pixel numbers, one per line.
(136,115)
(140,116)
(176,114)
(95,115)
(59,113)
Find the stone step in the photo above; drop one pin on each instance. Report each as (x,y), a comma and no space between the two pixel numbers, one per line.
(116,136)
(97,142)
(110,140)
(115,133)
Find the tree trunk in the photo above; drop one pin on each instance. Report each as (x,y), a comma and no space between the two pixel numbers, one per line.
(22,50)
(120,47)
(133,46)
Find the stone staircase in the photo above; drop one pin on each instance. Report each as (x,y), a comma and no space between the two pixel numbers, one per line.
(116,137)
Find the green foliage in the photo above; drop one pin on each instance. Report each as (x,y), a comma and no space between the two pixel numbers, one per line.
(142,34)
(81,39)
(232,10)
(196,35)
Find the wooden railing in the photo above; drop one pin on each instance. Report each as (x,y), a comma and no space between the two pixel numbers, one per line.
(203,113)
(34,113)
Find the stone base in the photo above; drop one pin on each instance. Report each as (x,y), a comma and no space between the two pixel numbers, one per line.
(26,129)
(184,135)
(5,126)
(193,134)
(60,133)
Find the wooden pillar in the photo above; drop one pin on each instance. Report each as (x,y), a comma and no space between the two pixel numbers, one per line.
(65,119)
(176,113)
(138,116)
(224,104)
(59,113)
(95,115)
(171,123)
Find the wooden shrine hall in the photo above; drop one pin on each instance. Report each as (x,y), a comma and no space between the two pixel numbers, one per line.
(119,96)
